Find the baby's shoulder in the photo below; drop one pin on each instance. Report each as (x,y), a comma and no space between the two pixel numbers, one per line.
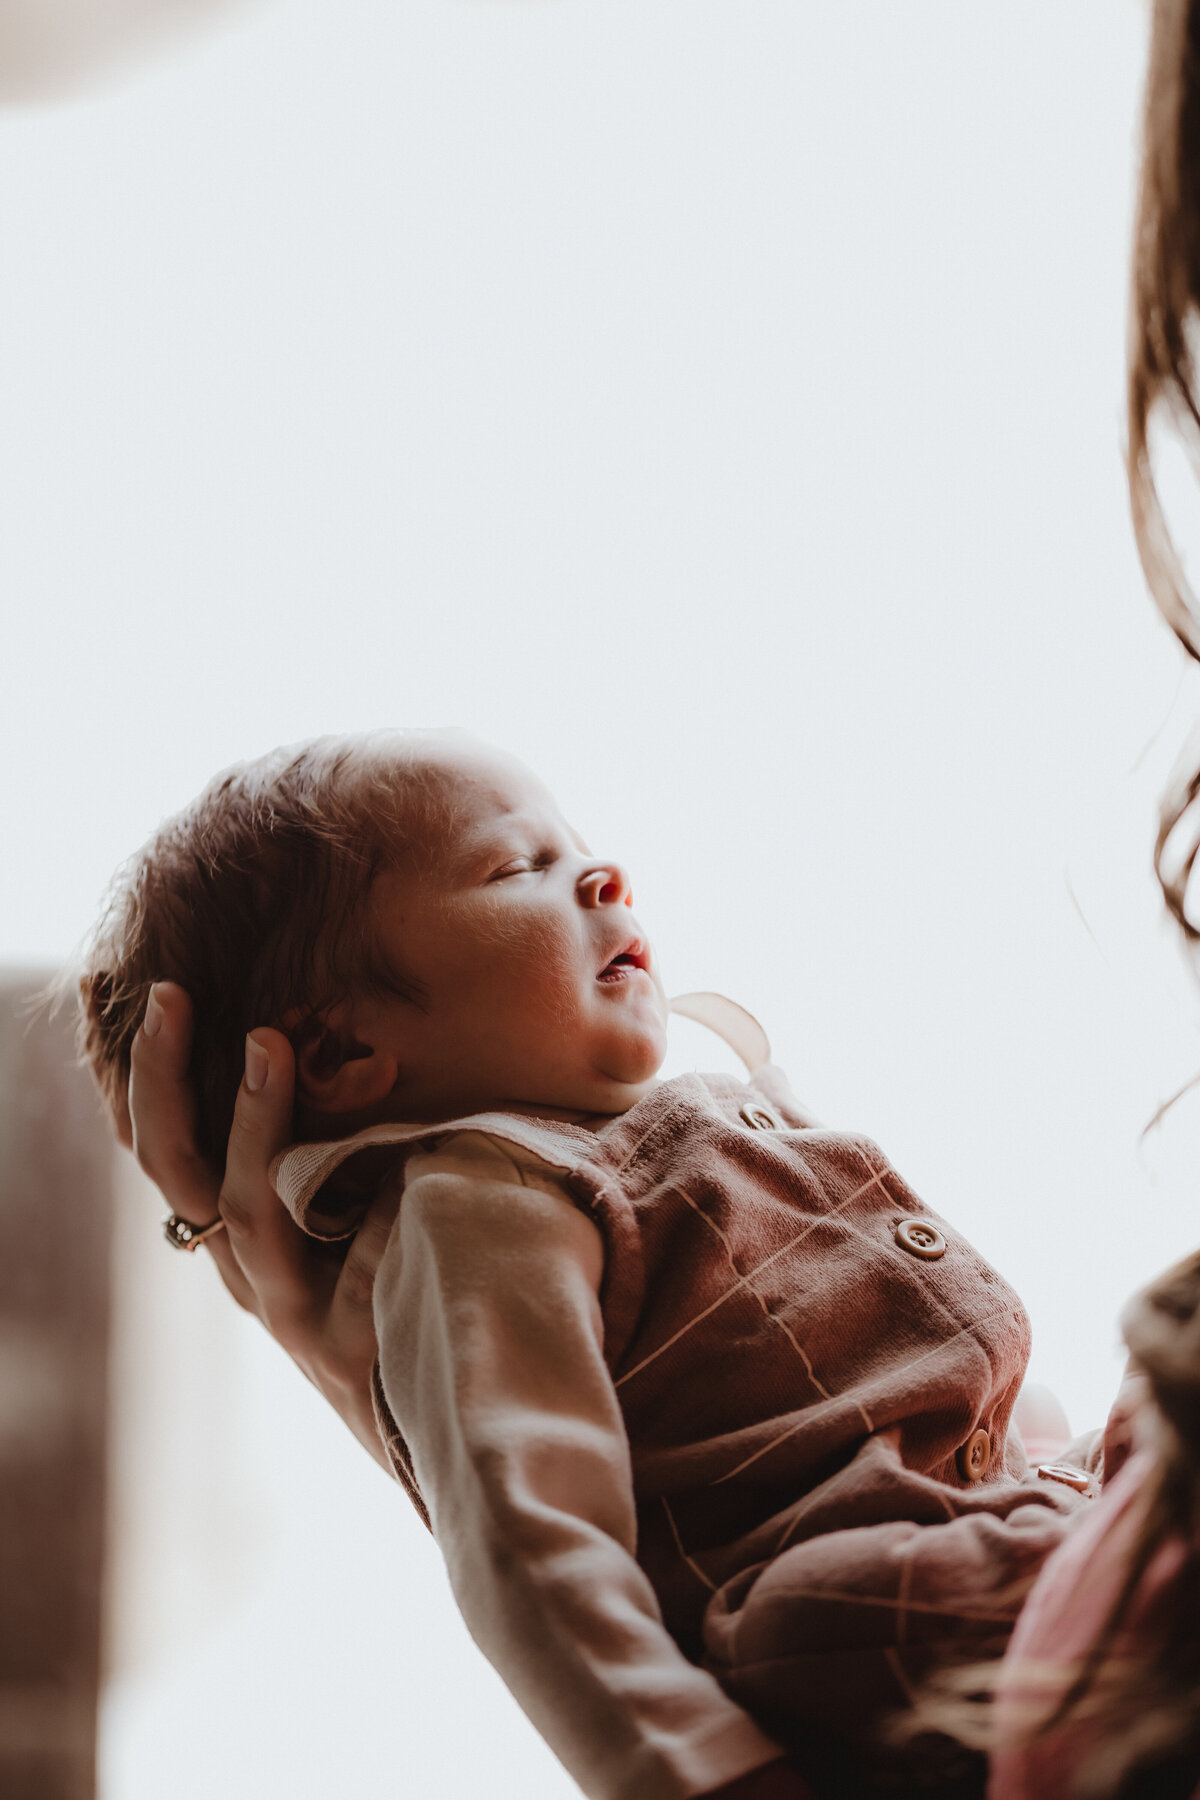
(480,1155)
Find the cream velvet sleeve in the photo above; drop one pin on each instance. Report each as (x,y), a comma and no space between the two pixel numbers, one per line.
(491,1358)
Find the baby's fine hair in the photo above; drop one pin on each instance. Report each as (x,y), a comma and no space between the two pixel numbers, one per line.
(255,899)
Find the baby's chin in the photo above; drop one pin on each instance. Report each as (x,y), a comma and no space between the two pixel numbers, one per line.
(632,1068)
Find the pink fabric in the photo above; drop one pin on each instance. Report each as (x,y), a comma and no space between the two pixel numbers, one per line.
(1068,1608)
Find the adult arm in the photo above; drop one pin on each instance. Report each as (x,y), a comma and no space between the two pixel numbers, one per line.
(316,1304)
(491,1359)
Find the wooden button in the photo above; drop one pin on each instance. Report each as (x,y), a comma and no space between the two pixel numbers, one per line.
(920,1238)
(974,1457)
(758,1117)
(1072,1478)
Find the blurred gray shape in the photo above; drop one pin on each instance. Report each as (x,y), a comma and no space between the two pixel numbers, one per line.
(56,1167)
(51,48)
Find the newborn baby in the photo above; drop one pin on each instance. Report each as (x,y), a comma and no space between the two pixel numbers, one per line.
(707,1412)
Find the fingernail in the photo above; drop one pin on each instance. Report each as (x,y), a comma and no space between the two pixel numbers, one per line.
(154,1015)
(258,1065)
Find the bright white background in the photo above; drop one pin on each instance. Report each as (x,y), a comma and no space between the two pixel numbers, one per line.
(719,404)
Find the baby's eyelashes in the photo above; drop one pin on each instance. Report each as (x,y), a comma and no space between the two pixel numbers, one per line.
(524,865)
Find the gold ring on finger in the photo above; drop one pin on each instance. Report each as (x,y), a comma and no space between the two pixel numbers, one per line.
(181,1235)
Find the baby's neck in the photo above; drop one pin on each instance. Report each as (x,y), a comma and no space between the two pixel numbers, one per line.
(561,1114)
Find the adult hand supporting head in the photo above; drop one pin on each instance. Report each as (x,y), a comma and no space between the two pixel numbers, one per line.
(316,1304)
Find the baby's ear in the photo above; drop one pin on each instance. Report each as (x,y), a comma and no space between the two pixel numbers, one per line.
(335,1071)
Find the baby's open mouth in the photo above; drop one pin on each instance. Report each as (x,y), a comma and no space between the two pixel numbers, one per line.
(634,956)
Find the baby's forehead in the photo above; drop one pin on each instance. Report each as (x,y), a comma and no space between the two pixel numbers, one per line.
(476,795)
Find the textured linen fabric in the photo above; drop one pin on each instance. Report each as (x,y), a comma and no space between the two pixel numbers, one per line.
(491,1353)
(795,1389)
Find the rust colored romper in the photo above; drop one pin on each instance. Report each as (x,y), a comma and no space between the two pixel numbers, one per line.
(816,1375)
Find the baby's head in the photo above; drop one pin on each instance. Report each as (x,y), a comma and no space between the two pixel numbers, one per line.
(413,910)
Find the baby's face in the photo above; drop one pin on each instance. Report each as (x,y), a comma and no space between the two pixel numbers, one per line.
(537,987)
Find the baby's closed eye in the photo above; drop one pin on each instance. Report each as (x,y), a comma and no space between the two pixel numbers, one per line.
(528,864)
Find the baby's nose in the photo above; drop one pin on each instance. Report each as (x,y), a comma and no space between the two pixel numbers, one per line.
(606,884)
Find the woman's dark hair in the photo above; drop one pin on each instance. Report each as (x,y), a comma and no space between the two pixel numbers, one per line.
(1138,1716)
(1151,1708)
(1164,306)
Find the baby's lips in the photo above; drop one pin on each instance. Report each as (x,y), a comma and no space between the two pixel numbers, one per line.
(634,954)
